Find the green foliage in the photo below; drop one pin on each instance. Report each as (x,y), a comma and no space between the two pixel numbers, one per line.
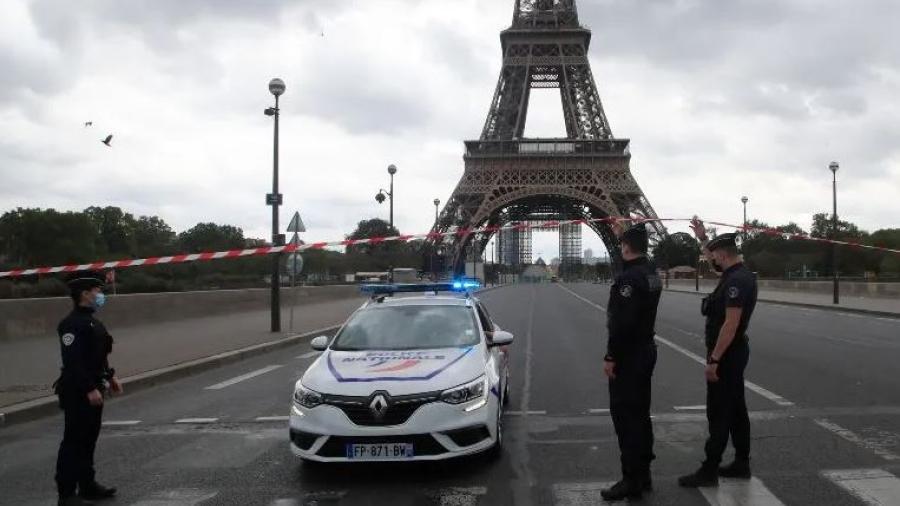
(677,249)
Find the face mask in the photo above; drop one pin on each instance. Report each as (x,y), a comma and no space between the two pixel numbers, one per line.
(99,300)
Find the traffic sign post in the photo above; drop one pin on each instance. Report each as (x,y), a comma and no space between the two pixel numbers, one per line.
(295,261)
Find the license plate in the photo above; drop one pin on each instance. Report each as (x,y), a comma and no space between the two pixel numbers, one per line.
(379,451)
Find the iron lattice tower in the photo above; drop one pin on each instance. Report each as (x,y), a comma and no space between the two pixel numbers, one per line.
(509,178)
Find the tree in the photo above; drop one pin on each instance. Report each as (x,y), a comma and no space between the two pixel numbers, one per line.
(30,237)
(381,256)
(115,228)
(210,237)
(676,249)
(822,228)
(152,237)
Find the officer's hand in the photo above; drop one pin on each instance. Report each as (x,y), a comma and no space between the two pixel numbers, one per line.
(712,373)
(610,369)
(698,228)
(115,386)
(95,398)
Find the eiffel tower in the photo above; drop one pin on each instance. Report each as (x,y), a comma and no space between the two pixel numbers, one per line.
(509,178)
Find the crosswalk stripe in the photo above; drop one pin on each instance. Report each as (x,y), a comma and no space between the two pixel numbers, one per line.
(875,487)
(114,423)
(460,496)
(243,377)
(690,408)
(197,420)
(579,494)
(738,492)
(179,497)
(598,411)
(272,418)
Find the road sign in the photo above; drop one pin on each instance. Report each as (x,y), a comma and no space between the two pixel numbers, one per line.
(294,264)
(295,240)
(272,199)
(296,224)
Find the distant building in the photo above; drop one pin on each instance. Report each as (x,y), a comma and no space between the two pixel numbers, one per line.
(589,258)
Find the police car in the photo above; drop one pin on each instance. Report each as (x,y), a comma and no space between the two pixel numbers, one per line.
(422,376)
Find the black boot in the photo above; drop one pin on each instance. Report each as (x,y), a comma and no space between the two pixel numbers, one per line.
(737,469)
(94,491)
(624,489)
(703,477)
(646,483)
(72,500)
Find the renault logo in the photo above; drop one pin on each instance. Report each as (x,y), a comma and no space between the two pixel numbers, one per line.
(379,405)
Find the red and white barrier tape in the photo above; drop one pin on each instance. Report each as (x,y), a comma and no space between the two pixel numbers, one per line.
(268,250)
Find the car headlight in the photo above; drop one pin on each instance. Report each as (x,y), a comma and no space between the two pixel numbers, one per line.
(465,393)
(306,397)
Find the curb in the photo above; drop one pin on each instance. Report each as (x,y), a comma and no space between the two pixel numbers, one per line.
(45,406)
(839,309)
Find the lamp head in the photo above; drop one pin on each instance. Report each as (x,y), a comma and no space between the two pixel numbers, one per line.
(276,87)
(744,199)
(380,197)
(392,169)
(833,166)
(437,202)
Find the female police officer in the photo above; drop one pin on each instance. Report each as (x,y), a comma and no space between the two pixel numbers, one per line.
(86,377)
(728,310)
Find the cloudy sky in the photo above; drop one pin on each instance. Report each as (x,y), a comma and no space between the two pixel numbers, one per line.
(720,99)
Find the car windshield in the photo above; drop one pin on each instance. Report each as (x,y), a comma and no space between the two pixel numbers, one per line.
(408,328)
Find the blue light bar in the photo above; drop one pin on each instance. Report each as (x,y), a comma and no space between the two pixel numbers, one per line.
(463,285)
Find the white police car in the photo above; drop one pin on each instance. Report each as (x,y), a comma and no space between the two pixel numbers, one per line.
(418,377)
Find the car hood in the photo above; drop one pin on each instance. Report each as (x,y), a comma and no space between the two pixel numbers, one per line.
(398,372)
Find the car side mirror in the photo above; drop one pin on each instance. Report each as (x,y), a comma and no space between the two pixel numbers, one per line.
(501,338)
(319,343)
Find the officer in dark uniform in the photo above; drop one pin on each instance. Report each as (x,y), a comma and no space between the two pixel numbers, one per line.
(630,360)
(86,377)
(728,310)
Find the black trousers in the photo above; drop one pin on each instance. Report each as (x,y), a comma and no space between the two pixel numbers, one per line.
(726,409)
(629,405)
(75,461)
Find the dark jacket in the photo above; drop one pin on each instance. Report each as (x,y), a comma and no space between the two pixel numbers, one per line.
(631,316)
(736,288)
(84,345)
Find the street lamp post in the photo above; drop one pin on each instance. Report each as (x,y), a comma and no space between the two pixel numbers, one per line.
(833,167)
(380,197)
(276,88)
(744,200)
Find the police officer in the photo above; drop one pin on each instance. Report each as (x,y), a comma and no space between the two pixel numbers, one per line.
(728,310)
(630,360)
(86,377)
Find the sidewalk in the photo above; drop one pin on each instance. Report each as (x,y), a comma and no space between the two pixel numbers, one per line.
(883,305)
(29,366)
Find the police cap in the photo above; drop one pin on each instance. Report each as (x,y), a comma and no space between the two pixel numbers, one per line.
(80,282)
(722,241)
(636,237)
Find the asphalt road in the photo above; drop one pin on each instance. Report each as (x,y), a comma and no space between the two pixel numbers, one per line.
(825,402)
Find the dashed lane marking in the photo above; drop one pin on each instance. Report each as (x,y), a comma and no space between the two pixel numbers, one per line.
(856,439)
(308,354)
(598,411)
(875,487)
(243,377)
(115,423)
(777,399)
(197,420)
(526,413)
(737,492)
(691,408)
(272,418)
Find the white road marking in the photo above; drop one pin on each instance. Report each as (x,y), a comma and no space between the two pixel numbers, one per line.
(460,496)
(768,394)
(272,418)
(243,377)
(197,420)
(309,354)
(691,408)
(737,492)
(524,413)
(598,411)
(526,387)
(854,438)
(579,494)
(120,422)
(777,399)
(180,497)
(875,487)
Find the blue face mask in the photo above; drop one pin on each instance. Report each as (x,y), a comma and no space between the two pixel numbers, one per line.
(99,300)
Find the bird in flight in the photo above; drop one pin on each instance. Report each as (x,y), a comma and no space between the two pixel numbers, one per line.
(107,140)
(88,123)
